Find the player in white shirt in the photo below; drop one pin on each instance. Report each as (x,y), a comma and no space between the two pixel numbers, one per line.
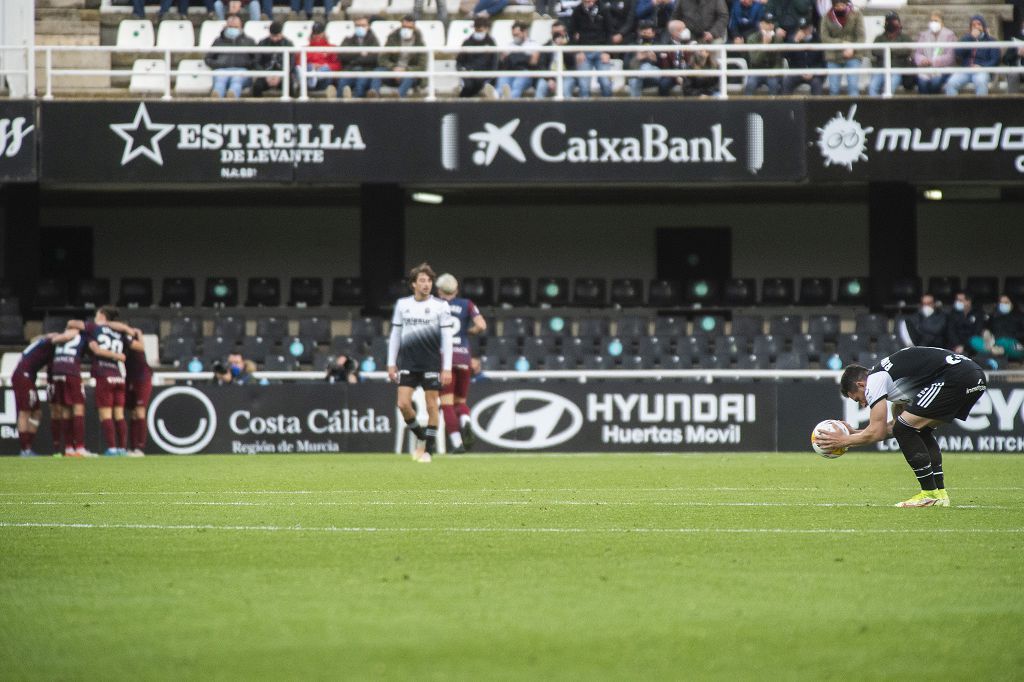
(420,354)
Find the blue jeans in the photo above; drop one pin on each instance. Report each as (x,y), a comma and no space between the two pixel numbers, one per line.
(315,84)
(360,86)
(139,7)
(219,7)
(877,84)
(307,6)
(637,85)
(773,83)
(931,85)
(835,80)
(234,80)
(516,84)
(492,7)
(959,80)
(591,62)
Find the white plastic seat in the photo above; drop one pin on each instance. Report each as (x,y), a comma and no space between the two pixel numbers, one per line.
(135,33)
(298,32)
(382,28)
(736,63)
(194,78)
(338,30)
(501,31)
(209,31)
(458,31)
(447,85)
(176,34)
(540,30)
(149,76)
(873,26)
(360,8)
(433,32)
(257,30)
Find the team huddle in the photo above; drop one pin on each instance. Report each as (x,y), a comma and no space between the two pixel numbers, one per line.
(123,380)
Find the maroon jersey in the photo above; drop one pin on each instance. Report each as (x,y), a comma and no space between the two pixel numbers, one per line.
(67,357)
(137,369)
(35,357)
(108,340)
(463,312)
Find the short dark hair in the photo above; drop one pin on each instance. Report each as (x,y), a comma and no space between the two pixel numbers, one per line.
(421,269)
(481,22)
(522,26)
(110,312)
(851,375)
(276,28)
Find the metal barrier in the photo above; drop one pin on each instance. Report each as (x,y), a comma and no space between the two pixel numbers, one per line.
(297,57)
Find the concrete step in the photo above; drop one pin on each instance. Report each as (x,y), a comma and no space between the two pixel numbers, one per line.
(88,60)
(51,4)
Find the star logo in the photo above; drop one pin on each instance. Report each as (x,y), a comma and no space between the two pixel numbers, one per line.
(495,138)
(138,130)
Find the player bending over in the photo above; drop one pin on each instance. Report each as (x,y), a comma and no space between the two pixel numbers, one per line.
(466,320)
(927,387)
(420,354)
(37,355)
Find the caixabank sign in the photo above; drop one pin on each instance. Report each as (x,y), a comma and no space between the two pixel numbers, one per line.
(17,141)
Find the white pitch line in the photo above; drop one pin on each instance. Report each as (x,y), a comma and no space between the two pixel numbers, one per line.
(354,491)
(358,529)
(463,503)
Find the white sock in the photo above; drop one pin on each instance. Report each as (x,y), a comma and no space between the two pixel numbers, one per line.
(456,439)
(464,419)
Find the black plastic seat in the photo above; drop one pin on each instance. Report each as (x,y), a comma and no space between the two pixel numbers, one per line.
(739,292)
(777,291)
(553,291)
(853,291)
(177,292)
(627,292)
(221,292)
(91,293)
(305,292)
(480,290)
(815,291)
(514,291)
(136,292)
(347,291)
(664,293)
(589,292)
(263,292)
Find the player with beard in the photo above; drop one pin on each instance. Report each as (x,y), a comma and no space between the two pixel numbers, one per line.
(467,321)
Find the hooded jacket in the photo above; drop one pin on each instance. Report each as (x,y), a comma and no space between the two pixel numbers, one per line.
(849,31)
(978,56)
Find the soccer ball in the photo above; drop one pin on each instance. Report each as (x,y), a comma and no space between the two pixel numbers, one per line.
(825,427)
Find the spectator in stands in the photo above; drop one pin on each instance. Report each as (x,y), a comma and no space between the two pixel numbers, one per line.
(843,24)
(708,20)
(486,9)
(547,9)
(478,61)
(272,61)
(342,370)
(1015,57)
(764,59)
(644,59)
(221,8)
(589,25)
(968,325)
(657,11)
(900,59)
(744,19)
(230,67)
(307,7)
(671,57)
(440,5)
(321,62)
(514,86)
(361,61)
(559,36)
(931,83)
(621,22)
(407,35)
(1006,326)
(139,8)
(975,57)
(800,60)
(788,15)
(701,86)
(236,371)
(927,327)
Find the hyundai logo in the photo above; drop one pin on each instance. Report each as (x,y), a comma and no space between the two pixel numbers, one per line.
(526,420)
(199,438)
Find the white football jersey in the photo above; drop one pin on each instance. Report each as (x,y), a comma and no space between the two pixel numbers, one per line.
(422,326)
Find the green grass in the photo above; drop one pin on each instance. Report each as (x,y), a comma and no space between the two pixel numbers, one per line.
(509,567)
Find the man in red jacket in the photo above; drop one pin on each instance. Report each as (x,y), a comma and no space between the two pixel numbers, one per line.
(321,61)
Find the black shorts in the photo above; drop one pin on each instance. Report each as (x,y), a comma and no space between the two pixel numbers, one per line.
(952,395)
(430,381)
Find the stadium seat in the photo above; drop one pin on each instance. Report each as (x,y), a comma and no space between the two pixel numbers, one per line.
(552,291)
(176,34)
(280,363)
(480,290)
(301,349)
(322,359)
(871,326)
(633,362)
(749,326)
(176,351)
(501,31)
(663,293)
(378,350)
(785,327)
(338,30)
(675,361)
(447,81)
(50,293)
(651,346)
(458,31)
(186,326)
(516,327)
(147,324)
(306,292)
(299,31)
(178,292)
(826,326)
(347,291)
(708,325)
(669,326)
(367,327)
(731,346)
(490,364)
(557,361)
(255,348)
(502,347)
(791,360)
(316,328)
(766,346)
(401,7)
(209,30)
(539,345)
(701,292)
(777,291)
(853,291)
(91,293)
(347,345)
(136,292)
(54,323)
(1014,288)
(944,288)
(810,345)
(433,33)
(540,30)
(274,329)
(12,330)
(360,8)
(556,325)
(229,327)
(135,34)
(888,344)
(613,347)
(258,30)
(904,291)
(574,349)
(149,76)
(867,359)
(514,291)
(983,290)
(815,291)
(849,345)
(627,292)
(739,291)
(593,327)
(398,288)
(382,28)
(712,361)
(263,292)
(753,361)
(221,292)
(589,292)
(10,305)
(216,348)
(194,78)
(595,361)
(694,346)
(632,326)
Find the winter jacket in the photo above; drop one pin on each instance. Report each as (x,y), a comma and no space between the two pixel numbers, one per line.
(272,61)
(315,60)
(703,16)
(979,56)
(834,32)
(477,61)
(416,61)
(939,56)
(934,330)
(231,60)
(744,20)
(788,13)
(589,27)
(900,58)
(361,62)
(621,18)
(764,59)
(807,59)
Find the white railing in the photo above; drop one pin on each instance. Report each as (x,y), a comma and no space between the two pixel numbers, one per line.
(721,71)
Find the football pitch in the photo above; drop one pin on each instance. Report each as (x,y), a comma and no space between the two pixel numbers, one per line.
(740,566)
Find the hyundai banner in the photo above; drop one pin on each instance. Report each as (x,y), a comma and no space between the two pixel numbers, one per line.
(17,141)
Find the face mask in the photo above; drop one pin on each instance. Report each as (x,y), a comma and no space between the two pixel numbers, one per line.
(406,33)
(518,41)
(478,35)
(235,370)
(360,32)
(685,35)
(959,305)
(1005,308)
(231,32)
(934,26)
(927,310)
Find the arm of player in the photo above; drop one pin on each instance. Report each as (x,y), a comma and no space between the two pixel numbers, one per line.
(877,430)
(137,342)
(63,337)
(95,349)
(446,354)
(120,327)
(393,344)
(75,324)
(479,325)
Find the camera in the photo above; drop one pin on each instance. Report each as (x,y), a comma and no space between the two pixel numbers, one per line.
(219,367)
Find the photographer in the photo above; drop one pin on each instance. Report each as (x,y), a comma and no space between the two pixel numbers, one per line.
(341,370)
(236,370)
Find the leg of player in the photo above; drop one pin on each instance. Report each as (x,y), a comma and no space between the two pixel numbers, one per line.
(451,421)
(433,419)
(107,429)
(139,434)
(928,436)
(409,415)
(465,422)
(28,423)
(120,429)
(77,419)
(914,434)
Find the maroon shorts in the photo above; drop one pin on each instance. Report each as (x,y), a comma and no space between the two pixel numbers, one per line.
(138,394)
(67,390)
(109,391)
(26,397)
(459,387)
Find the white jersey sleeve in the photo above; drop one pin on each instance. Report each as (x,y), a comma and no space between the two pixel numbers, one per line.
(447,333)
(877,387)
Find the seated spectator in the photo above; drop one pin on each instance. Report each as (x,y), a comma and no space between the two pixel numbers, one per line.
(236,371)
(514,86)
(657,11)
(559,36)
(486,9)
(321,62)
(230,68)
(975,57)
(931,83)
(361,61)
(343,370)
(764,59)
(1006,330)
(899,59)
(800,60)
(744,19)
(644,60)
(407,35)
(790,15)
(546,9)
(968,325)
(272,61)
(478,61)
(842,25)
(621,22)
(927,327)
(307,7)
(222,8)
(139,8)
(701,86)
(708,20)
(1015,57)
(675,36)
(589,25)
